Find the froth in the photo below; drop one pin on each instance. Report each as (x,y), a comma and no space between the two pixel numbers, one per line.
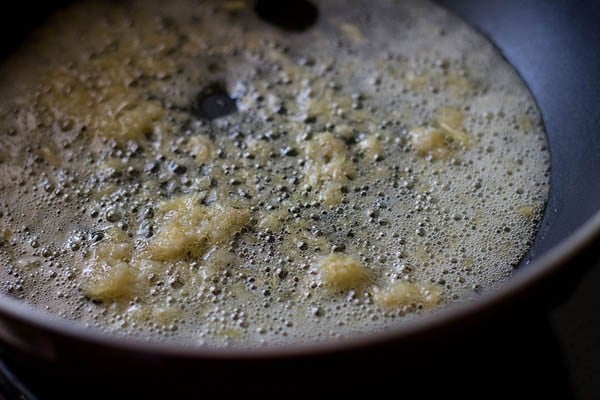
(419,164)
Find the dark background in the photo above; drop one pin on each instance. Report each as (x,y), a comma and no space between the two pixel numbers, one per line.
(576,325)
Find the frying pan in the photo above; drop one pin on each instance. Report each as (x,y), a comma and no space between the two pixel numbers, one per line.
(554,45)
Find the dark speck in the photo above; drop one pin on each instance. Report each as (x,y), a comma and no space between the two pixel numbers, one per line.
(97,236)
(152,167)
(289,151)
(291,15)
(213,102)
(177,168)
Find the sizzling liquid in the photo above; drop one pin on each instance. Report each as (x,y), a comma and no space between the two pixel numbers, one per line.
(189,171)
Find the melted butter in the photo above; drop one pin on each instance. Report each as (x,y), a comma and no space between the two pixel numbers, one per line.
(342,182)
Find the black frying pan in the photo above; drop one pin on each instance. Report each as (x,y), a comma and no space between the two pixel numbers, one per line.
(555,46)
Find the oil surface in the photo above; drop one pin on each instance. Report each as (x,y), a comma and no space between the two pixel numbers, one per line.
(190,171)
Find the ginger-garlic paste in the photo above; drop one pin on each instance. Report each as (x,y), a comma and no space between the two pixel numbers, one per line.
(186,171)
